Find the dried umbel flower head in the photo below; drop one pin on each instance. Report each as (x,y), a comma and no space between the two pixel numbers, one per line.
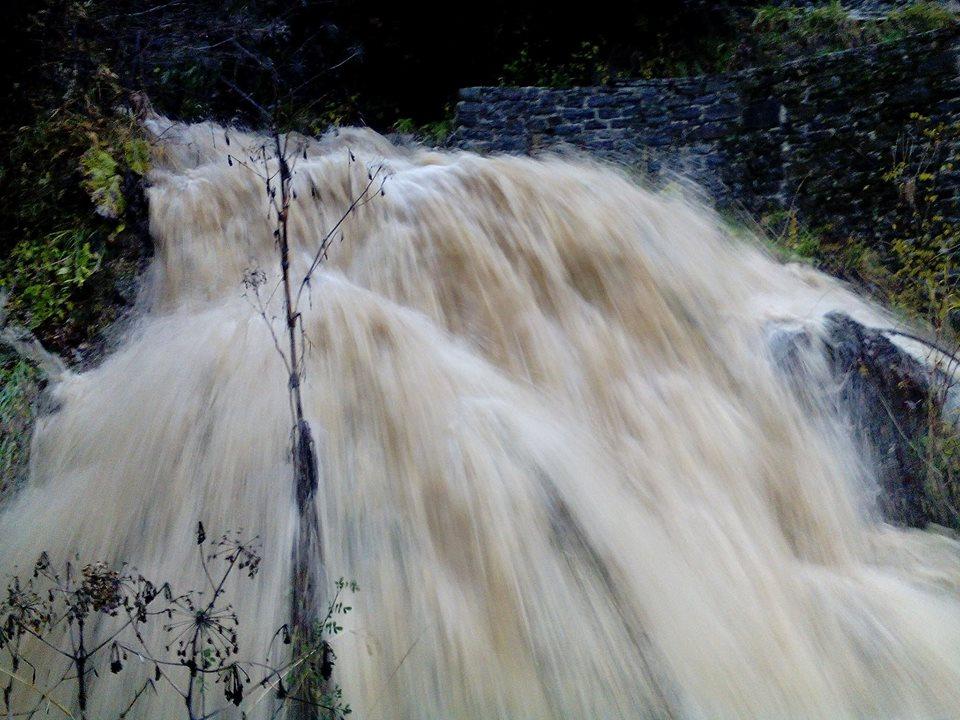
(102,587)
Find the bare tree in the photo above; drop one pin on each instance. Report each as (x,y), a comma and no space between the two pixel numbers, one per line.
(276,165)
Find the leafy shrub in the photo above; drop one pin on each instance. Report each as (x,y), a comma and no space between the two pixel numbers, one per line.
(66,189)
(44,275)
(924,240)
(432,133)
(584,66)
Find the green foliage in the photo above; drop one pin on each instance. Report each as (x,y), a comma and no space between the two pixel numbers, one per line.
(769,34)
(103,173)
(136,153)
(432,133)
(404,126)
(912,263)
(795,29)
(939,448)
(584,66)
(437,132)
(63,203)
(791,237)
(923,239)
(192,83)
(101,179)
(918,17)
(924,282)
(779,32)
(311,679)
(44,275)
(715,55)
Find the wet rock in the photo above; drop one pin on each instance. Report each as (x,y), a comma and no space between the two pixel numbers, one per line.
(883,393)
(880,391)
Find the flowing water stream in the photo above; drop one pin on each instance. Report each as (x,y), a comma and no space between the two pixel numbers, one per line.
(554,451)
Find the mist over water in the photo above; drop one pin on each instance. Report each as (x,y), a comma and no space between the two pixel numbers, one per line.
(555,451)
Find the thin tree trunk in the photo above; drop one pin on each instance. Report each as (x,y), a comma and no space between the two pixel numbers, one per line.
(307,552)
(80,662)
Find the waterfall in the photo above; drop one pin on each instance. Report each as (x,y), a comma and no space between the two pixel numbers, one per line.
(554,448)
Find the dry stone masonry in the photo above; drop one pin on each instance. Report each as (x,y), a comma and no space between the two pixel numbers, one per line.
(815,134)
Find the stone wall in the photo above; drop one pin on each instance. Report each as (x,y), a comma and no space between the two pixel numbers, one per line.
(815,134)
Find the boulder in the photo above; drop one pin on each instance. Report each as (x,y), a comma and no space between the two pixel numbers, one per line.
(880,391)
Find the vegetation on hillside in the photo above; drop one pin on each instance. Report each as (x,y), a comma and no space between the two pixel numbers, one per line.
(783,31)
(70,198)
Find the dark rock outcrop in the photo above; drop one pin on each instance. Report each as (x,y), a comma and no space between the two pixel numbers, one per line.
(884,394)
(880,391)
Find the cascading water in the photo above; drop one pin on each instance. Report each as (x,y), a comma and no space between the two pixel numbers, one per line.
(554,450)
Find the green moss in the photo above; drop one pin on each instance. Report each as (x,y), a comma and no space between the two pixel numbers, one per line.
(18,390)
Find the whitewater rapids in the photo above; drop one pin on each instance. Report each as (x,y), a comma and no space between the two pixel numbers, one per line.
(554,450)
